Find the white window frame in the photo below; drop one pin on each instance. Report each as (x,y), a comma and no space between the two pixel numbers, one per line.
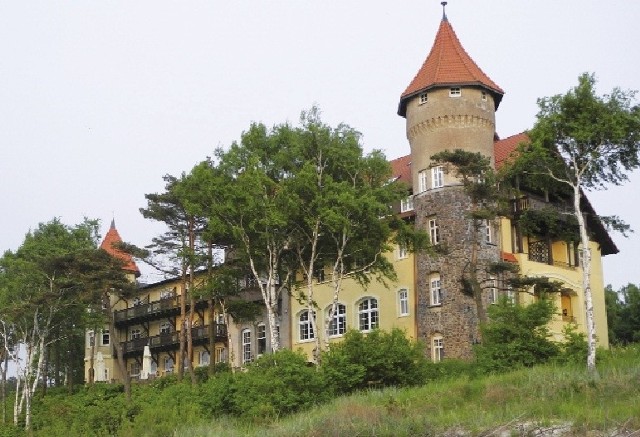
(437,177)
(455,91)
(422,181)
(261,337)
(204,358)
(423,98)
(368,314)
(247,355)
(165,327)
(105,336)
(437,348)
(406,204)
(488,232)
(221,354)
(493,290)
(338,323)
(434,231)
(305,327)
(135,333)
(403,302)
(435,289)
(168,364)
(403,253)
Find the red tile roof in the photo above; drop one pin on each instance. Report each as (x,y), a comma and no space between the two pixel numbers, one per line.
(509,257)
(448,64)
(503,149)
(109,245)
(401,168)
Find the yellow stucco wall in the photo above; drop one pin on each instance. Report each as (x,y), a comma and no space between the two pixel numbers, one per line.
(352,293)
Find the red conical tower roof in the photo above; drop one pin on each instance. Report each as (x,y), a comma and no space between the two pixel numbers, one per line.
(448,64)
(109,245)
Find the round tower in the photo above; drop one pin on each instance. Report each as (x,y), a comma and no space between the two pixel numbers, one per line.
(450,104)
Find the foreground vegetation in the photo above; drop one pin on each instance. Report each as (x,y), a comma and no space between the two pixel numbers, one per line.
(288,398)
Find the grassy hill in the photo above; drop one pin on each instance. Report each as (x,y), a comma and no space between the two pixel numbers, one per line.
(543,400)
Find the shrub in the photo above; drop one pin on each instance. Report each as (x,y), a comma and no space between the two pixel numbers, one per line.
(574,348)
(378,358)
(516,336)
(276,384)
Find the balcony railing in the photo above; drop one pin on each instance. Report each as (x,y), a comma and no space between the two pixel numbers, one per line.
(152,310)
(171,340)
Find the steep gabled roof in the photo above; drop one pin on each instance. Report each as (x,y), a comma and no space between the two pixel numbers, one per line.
(401,168)
(109,244)
(503,149)
(448,64)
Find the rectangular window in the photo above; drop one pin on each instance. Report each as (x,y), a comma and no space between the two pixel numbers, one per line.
(262,339)
(455,91)
(91,338)
(406,204)
(205,358)
(511,295)
(434,231)
(134,369)
(436,290)
(402,251)
(493,290)
(106,338)
(423,98)
(168,365)
(135,333)
(221,355)
(403,300)
(422,181)
(438,349)
(437,177)
(246,347)
(483,94)
(165,327)
(488,237)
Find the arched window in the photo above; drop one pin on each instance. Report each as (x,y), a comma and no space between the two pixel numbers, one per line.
(306,328)
(338,324)
(368,314)
(437,348)
(403,301)
(205,358)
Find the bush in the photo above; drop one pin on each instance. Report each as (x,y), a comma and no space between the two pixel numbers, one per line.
(277,384)
(574,349)
(376,359)
(516,336)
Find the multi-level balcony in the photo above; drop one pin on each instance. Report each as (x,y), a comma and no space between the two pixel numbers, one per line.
(171,340)
(167,307)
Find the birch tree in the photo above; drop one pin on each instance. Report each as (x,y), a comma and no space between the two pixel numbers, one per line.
(584,141)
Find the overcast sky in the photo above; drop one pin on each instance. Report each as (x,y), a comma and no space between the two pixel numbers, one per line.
(98,100)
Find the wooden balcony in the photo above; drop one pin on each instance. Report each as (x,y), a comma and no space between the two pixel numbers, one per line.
(167,307)
(171,340)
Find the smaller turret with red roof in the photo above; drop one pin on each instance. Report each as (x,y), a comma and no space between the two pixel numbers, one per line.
(110,245)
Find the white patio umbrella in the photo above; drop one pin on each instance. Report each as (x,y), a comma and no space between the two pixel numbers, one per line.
(146,363)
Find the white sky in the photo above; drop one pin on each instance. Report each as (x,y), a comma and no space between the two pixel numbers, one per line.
(98,100)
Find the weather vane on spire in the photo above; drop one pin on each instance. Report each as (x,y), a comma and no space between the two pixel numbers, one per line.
(444,14)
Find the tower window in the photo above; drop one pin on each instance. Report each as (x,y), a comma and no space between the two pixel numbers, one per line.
(422,181)
(423,98)
(455,91)
(483,95)
(435,289)
(437,177)
(434,231)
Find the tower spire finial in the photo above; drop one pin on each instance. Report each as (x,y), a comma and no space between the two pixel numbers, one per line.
(444,14)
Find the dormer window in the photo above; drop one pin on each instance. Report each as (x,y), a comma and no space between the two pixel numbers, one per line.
(455,91)
(423,98)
